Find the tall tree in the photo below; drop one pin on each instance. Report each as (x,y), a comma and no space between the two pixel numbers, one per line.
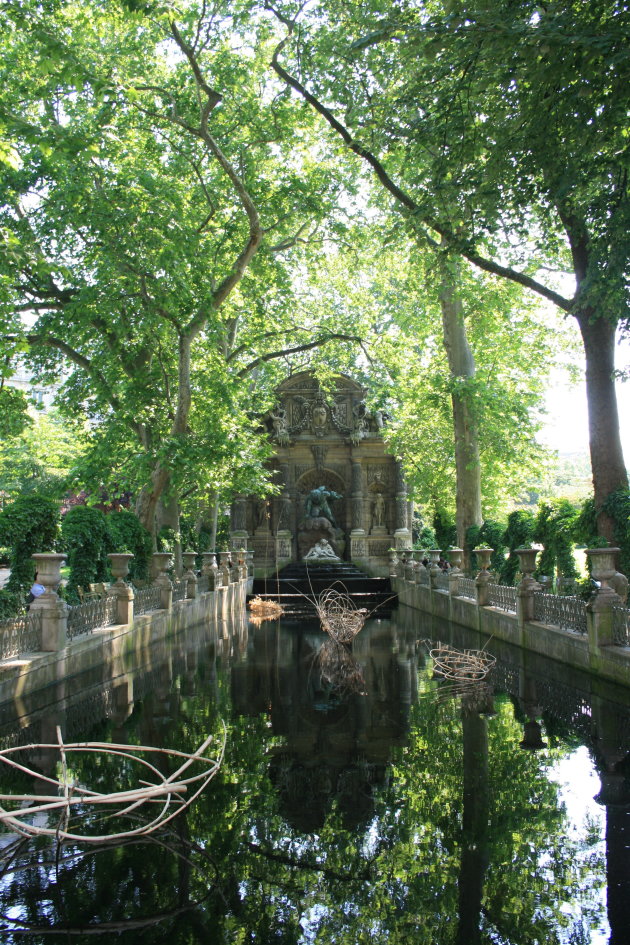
(517,116)
(153,165)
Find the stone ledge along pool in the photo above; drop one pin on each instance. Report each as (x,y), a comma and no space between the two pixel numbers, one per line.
(360,798)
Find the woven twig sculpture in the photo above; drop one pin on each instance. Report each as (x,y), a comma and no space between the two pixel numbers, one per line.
(460,665)
(262,608)
(172,793)
(338,615)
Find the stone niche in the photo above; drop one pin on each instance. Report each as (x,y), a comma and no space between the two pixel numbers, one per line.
(337,482)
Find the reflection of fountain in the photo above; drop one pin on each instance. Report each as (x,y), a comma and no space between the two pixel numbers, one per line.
(340,710)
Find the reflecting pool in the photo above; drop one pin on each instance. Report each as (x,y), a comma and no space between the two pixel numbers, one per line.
(359,799)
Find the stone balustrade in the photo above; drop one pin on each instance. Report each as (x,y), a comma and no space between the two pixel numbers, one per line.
(51,623)
(593,635)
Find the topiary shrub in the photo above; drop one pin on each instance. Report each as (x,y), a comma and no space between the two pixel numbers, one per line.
(519,532)
(126,533)
(445,530)
(29,525)
(555,528)
(86,541)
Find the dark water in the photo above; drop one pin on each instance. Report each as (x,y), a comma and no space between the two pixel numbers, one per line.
(358,800)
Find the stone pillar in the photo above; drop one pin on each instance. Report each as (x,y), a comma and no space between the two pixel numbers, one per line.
(119,566)
(393,562)
(54,611)
(240,567)
(188,557)
(410,574)
(283,521)
(402,534)
(210,569)
(224,567)
(483,578)
(434,568)
(528,586)
(161,562)
(599,613)
(455,557)
(356,499)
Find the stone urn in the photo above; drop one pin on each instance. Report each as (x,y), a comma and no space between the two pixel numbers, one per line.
(532,736)
(527,560)
(209,562)
(119,565)
(602,561)
(188,558)
(455,556)
(48,566)
(483,557)
(434,556)
(162,561)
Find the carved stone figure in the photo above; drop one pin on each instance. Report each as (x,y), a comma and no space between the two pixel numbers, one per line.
(378,510)
(321,549)
(316,504)
(280,428)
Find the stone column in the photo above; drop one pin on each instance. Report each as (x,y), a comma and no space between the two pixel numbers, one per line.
(161,562)
(188,557)
(119,566)
(402,534)
(356,499)
(483,578)
(54,611)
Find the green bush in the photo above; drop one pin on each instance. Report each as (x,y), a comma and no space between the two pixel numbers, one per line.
(555,529)
(86,541)
(426,538)
(445,530)
(617,505)
(519,532)
(29,525)
(126,533)
(11,603)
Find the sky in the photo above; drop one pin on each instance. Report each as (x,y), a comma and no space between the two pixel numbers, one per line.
(566,429)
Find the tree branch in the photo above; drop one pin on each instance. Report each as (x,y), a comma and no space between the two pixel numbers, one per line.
(307,346)
(405,200)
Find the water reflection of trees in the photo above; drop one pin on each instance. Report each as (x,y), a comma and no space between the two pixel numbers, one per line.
(432,824)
